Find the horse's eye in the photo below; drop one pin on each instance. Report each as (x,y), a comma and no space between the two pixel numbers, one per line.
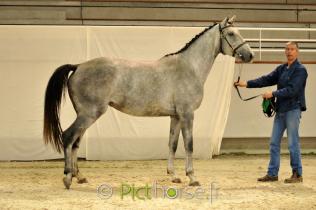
(230,34)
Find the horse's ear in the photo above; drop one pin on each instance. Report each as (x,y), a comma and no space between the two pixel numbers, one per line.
(232,19)
(224,22)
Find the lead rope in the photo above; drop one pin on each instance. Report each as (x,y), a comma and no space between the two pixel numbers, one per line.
(240,68)
(268,105)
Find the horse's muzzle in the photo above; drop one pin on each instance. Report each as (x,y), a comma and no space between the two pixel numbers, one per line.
(245,57)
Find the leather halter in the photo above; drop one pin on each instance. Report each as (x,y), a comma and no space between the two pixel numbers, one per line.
(224,36)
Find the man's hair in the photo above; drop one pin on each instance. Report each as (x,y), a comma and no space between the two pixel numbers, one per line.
(292,43)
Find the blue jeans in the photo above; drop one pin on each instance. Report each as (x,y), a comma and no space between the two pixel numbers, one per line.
(288,121)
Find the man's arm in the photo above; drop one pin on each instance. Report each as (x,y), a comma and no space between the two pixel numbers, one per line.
(264,81)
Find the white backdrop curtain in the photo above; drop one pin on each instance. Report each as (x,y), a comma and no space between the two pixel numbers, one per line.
(30,54)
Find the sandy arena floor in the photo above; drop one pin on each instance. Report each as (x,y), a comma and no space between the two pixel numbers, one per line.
(227,182)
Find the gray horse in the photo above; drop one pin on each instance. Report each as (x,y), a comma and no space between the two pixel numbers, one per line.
(171,86)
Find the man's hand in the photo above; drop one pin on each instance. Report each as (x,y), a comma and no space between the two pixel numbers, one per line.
(241,84)
(267,95)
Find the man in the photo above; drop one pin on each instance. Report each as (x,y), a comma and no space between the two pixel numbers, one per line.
(290,79)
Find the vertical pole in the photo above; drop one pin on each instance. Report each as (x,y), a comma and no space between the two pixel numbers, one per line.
(260,34)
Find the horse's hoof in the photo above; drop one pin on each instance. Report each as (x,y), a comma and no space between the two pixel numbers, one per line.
(82,181)
(66,183)
(67,180)
(176,180)
(195,183)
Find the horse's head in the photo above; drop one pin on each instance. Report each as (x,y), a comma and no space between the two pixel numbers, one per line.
(232,43)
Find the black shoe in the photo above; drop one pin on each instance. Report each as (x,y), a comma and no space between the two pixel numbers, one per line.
(295,178)
(268,178)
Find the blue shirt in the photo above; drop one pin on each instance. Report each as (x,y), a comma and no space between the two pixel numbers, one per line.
(290,83)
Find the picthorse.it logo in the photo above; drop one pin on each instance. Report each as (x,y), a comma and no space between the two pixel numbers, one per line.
(148,192)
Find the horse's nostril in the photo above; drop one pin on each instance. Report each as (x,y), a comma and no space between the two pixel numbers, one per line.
(251,56)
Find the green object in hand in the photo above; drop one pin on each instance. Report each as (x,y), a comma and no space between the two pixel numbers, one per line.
(268,107)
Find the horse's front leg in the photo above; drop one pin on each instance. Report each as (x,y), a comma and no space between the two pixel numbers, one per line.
(187,128)
(173,144)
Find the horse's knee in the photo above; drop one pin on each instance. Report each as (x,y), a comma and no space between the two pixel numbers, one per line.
(188,145)
(173,145)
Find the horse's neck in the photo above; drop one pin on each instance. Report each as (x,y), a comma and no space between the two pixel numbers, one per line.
(202,53)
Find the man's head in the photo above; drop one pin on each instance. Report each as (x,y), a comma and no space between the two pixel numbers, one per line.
(291,51)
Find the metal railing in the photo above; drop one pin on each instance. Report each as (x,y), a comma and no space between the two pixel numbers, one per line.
(261,40)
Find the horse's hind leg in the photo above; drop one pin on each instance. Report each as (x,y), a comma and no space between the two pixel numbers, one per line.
(80,178)
(75,131)
(173,144)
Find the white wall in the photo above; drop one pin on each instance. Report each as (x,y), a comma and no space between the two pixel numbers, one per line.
(246,118)
(29,55)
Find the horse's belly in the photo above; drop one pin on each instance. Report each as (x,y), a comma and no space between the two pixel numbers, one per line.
(143,110)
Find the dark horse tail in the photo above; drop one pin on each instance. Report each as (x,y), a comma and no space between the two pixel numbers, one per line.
(56,89)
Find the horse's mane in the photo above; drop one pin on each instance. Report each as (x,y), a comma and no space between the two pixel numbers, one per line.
(187,45)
